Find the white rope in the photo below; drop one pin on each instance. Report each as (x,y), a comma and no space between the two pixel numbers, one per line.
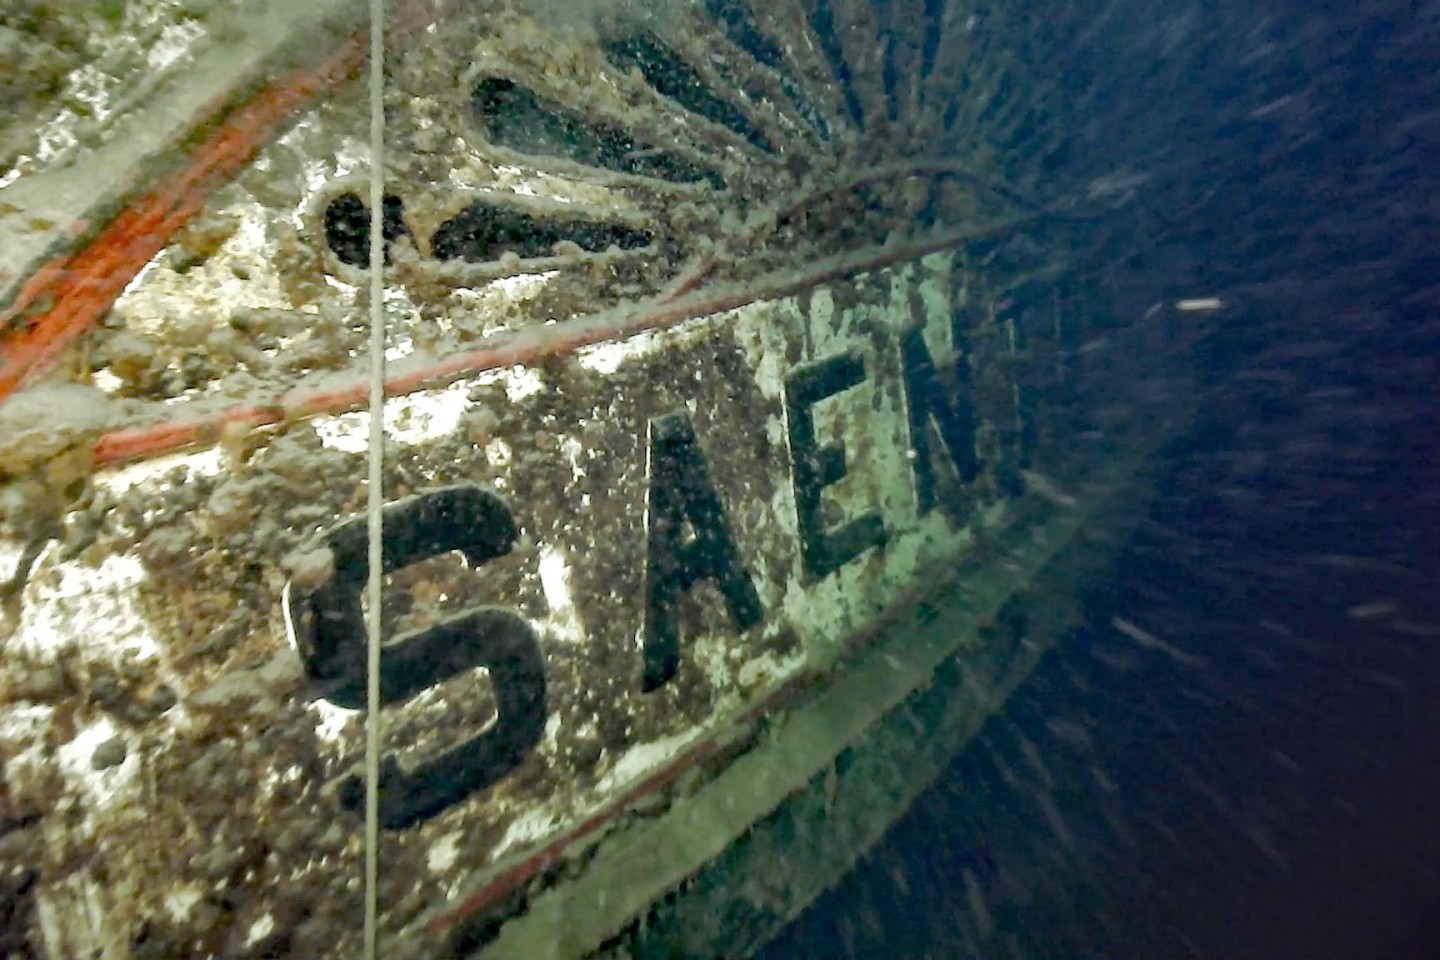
(375,501)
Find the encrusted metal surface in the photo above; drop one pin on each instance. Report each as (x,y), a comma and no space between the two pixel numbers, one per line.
(696,314)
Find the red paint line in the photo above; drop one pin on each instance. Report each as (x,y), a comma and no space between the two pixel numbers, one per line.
(84,285)
(508,349)
(71,293)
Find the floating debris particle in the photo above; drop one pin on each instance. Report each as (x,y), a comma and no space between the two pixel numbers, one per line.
(1368,611)
(1151,642)
(1199,305)
(979,907)
(1272,106)
(1046,490)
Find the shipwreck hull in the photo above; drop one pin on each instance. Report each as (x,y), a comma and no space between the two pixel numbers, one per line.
(743,450)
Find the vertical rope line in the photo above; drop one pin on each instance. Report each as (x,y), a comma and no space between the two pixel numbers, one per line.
(376,449)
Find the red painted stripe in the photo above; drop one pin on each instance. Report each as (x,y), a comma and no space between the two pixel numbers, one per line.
(524,346)
(69,295)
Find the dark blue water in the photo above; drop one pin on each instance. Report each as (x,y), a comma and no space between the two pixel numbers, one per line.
(1272,791)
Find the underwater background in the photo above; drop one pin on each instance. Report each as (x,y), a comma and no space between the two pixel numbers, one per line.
(1262,784)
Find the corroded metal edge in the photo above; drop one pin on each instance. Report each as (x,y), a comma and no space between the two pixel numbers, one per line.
(782,864)
(705,846)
